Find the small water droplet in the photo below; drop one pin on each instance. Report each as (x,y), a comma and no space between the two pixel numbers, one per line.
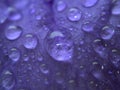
(25,57)
(14,15)
(60,45)
(44,69)
(7,80)
(59,78)
(88,27)
(13,32)
(90,3)
(116,10)
(38,17)
(61,6)
(107,33)
(14,54)
(40,58)
(30,41)
(101,51)
(74,14)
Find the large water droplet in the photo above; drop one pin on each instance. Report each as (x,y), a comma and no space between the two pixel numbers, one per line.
(61,6)
(14,54)
(13,32)
(60,45)
(107,33)
(116,10)
(30,41)
(7,80)
(14,15)
(89,3)
(74,14)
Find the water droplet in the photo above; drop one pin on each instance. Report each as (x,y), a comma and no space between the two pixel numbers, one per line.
(74,14)
(14,54)
(44,69)
(116,10)
(3,13)
(7,80)
(116,60)
(13,32)
(89,3)
(60,45)
(30,41)
(14,15)
(40,58)
(97,74)
(88,27)
(101,51)
(61,6)
(59,78)
(38,17)
(25,57)
(107,33)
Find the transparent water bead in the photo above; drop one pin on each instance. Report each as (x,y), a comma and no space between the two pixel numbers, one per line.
(14,54)
(7,80)
(44,69)
(101,50)
(89,3)
(116,9)
(25,57)
(74,14)
(30,41)
(14,15)
(60,45)
(107,33)
(88,27)
(4,11)
(61,5)
(13,32)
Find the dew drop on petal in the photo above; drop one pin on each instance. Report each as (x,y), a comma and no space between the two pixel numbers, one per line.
(7,80)
(74,14)
(14,54)
(13,32)
(107,33)
(14,15)
(60,45)
(88,27)
(89,3)
(116,10)
(44,69)
(61,5)
(30,41)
